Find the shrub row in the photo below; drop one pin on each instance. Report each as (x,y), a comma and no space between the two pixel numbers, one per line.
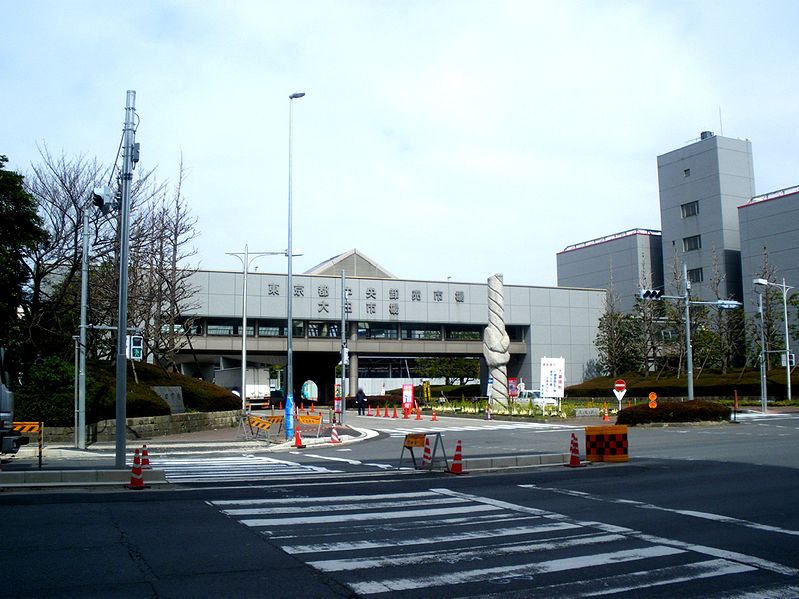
(674,411)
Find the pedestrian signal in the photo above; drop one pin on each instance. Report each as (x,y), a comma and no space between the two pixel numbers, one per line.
(135,347)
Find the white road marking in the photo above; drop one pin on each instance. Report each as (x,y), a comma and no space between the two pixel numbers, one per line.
(650,506)
(370,587)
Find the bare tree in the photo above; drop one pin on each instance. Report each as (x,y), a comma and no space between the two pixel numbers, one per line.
(161,231)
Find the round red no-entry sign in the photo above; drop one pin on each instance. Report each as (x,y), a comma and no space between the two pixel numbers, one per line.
(620,385)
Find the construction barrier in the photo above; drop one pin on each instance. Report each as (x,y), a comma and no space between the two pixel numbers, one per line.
(421,440)
(32,427)
(606,443)
(311,420)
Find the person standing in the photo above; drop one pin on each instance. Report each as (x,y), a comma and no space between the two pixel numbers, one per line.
(360,399)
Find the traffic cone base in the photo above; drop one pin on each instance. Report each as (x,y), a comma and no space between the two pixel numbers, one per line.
(298,439)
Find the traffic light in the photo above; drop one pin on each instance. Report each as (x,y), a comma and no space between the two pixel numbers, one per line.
(101,197)
(652,294)
(135,347)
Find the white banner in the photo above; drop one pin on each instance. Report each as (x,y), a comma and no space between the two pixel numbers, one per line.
(553,377)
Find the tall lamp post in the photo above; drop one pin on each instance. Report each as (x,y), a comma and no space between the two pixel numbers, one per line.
(760,286)
(246,259)
(289,297)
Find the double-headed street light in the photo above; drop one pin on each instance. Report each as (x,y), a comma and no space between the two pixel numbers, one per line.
(289,297)
(246,259)
(760,286)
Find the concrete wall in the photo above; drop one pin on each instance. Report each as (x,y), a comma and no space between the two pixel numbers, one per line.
(147,428)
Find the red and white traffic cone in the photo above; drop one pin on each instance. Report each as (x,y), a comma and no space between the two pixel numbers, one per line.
(334,435)
(145,458)
(136,478)
(298,439)
(606,417)
(427,456)
(574,459)
(457,460)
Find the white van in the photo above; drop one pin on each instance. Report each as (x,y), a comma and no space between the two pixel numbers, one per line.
(534,397)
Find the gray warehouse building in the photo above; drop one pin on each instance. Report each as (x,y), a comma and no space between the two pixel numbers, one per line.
(622,263)
(386,319)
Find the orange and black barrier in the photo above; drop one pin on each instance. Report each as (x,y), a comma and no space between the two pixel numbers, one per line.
(606,443)
(32,427)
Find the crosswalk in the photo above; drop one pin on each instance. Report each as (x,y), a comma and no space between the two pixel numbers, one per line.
(495,426)
(231,469)
(404,544)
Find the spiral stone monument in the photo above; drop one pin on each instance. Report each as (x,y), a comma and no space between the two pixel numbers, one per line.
(496,341)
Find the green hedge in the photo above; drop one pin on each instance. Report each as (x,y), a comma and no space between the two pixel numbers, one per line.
(674,411)
(48,393)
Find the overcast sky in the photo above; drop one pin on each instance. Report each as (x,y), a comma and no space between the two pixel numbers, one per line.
(440,138)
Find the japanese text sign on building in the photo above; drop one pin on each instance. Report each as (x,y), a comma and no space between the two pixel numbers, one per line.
(553,377)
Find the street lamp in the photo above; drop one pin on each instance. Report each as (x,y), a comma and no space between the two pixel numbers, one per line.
(289,297)
(246,259)
(760,285)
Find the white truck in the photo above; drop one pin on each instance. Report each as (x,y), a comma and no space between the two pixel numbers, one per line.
(10,440)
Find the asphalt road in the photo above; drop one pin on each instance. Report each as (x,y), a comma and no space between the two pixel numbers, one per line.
(703,511)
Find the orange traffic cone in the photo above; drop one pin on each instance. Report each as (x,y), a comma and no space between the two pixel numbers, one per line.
(406,413)
(136,478)
(418,413)
(606,418)
(312,409)
(302,406)
(281,406)
(298,439)
(334,436)
(457,464)
(427,456)
(145,458)
(385,414)
(395,412)
(368,410)
(434,419)
(574,459)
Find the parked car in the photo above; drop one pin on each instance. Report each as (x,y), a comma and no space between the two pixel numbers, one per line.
(534,396)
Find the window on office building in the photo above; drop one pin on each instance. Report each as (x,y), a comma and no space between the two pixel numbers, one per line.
(686,173)
(690,209)
(695,275)
(421,332)
(689,244)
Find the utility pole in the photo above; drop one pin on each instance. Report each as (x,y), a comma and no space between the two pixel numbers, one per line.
(344,349)
(129,148)
(80,425)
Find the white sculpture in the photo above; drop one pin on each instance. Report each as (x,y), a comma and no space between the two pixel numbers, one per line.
(496,341)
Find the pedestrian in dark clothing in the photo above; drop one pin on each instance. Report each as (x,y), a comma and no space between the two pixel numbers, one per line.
(360,399)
